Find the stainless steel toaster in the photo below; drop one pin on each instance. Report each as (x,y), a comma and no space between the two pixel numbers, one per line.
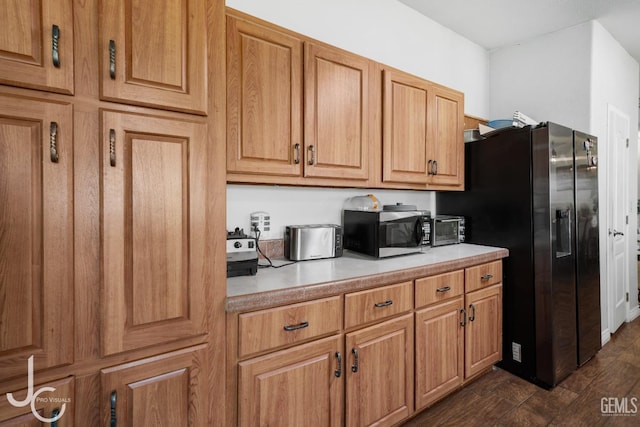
(312,241)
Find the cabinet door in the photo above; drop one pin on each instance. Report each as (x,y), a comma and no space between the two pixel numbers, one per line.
(379,386)
(165,390)
(299,386)
(406,128)
(153,243)
(483,332)
(447,149)
(36,44)
(36,225)
(264,100)
(336,114)
(53,400)
(439,351)
(154,54)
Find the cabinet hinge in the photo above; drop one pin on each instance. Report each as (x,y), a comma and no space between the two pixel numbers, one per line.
(627,296)
(627,142)
(627,219)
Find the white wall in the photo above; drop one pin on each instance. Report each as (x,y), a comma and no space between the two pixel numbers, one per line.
(386,31)
(547,78)
(570,77)
(614,81)
(295,205)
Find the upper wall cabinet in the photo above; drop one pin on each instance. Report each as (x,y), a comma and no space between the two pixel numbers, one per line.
(264,100)
(422,132)
(154,55)
(36,44)
(336,133)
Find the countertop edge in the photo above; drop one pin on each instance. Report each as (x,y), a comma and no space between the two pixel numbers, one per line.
(292,295)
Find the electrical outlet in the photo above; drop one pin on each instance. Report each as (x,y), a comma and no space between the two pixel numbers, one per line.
(262,221)
(516,352)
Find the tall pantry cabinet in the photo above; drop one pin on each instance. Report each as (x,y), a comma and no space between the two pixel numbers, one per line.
(112,125)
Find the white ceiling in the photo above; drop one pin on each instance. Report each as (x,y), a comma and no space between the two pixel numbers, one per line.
(497,23)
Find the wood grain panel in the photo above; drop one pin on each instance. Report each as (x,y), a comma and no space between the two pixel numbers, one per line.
(380,390)
(263,330)
(439,351)
(160,53)
(165,390)
(26,56)
(483,275)
(44,404)
(264,100)
(406,130)
(483,334)
(438,288)
(293,387)
(336,113)
(36,249)
(375,304)
(152,218)
(447,148)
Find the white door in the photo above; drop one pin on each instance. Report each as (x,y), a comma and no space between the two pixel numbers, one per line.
(617,263)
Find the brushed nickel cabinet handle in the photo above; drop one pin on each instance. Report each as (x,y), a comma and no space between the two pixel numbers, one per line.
(338,371)
(296,159)
(435,167)
(55,36)
(114,420)
(443,289)
(54,416)
(486,277)
(301,325)
(112,59)
(430,167)
(472,317)
(312,158)
(383,304)
(53,141)
(356,362)
(112,147)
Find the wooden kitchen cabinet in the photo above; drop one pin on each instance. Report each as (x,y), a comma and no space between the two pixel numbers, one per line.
(422,133)
(165,390)
(483,331)
(36,225)
(264,100)
(154,55)
(379,383)
(56,399)
(303,385)
(447,149)
(336,115)
(153,211)
(36,45)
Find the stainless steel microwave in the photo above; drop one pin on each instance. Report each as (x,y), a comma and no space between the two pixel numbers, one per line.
(447,230)
(387,233)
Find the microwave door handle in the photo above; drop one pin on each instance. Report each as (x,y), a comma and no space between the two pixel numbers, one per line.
(419,231)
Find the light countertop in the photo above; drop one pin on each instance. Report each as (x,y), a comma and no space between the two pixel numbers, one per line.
(352,272)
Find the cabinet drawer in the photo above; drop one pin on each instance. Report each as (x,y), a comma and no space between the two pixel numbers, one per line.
(277,327)
(438,288)
(374,304)
(482,276)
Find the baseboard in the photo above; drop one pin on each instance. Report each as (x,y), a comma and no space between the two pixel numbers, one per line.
(605,337)
(633,313)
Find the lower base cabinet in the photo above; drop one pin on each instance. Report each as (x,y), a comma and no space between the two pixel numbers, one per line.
(379,382)
(483,331)
(166,390)
(439,351)
(295,387)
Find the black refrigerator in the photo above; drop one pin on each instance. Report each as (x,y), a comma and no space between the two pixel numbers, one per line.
(534,191)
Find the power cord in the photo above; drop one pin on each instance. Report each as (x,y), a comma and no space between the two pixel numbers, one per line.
(258,233)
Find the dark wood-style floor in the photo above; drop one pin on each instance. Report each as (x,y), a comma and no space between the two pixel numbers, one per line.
(501,399)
